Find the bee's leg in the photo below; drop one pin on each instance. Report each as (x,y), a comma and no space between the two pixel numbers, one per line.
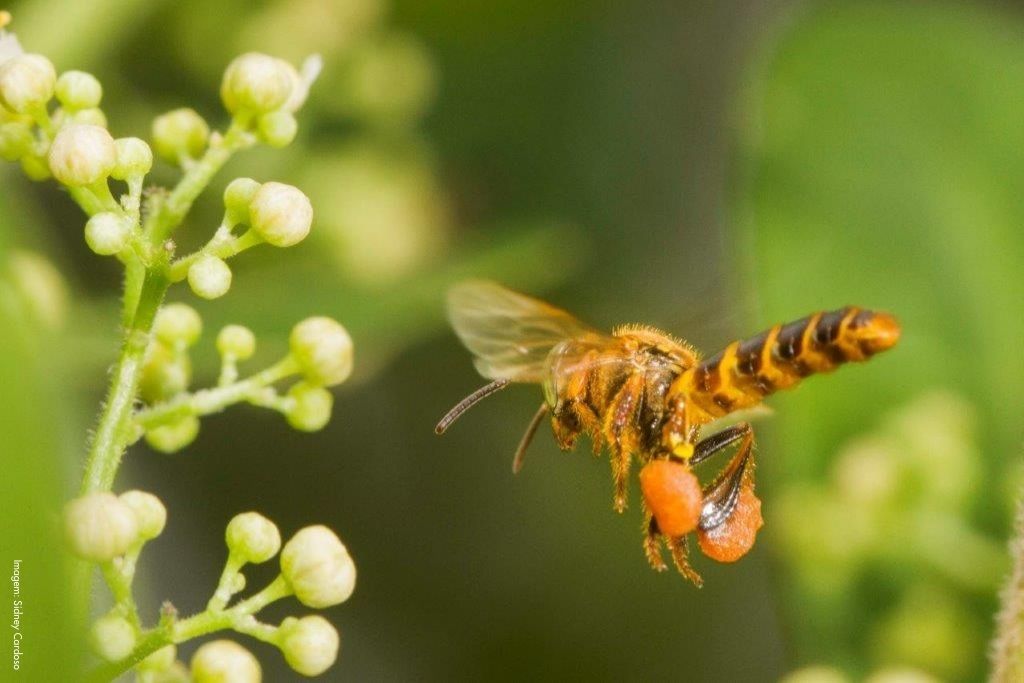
(620,432)
(589,423)
(680,552)
(719,441)
(722,494)
(524,443)
(652,541)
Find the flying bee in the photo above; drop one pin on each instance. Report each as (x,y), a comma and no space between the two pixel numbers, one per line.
(646,395)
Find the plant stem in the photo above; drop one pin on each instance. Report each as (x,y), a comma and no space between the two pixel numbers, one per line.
(172,210)
(1008,644)
(113,432)
(207,401)
(193,627)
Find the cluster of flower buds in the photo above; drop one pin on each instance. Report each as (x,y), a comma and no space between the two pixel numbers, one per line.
(315,567)
(320,356)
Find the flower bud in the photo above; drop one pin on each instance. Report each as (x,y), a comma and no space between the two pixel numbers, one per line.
(311,407)
(82,154)
(107,233)
(78,90)
(161,660)
(223,661)
(255,83)
(35,168)
(236,341)
(26,82)
(164,374)
(15,140)
(281,214)
(150,513)
(40,286)
(252,537)
(318,568)
(178,325)
(237,196)
(178,133)
(209,277)
(309,644)
(112,637)
(134,158)
(171,438)
(92,117)
(99,526)
(177,672)
(323,350)
(278,128)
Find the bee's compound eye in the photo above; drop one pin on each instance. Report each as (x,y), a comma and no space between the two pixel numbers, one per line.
(673,494)
(733,538)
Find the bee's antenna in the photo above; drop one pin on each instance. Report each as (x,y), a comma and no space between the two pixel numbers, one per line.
(468,402)
(517,461)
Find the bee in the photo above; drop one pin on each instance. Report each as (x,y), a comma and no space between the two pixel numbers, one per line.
(646,395)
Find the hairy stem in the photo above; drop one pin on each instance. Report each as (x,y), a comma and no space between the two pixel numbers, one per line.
(114,430)
(1008,645)
(238,617)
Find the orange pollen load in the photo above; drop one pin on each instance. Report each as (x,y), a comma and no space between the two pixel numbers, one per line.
(673,495)
(734,538)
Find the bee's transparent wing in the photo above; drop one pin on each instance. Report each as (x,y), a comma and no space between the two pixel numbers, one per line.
(509,334)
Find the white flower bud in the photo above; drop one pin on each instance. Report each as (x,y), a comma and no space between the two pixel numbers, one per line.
(252,537)
(237,197)
(112,637)
(181,132)
(255,83)
(173,437)
(278,128)
(323,349)
(209,277)
(82,154)
(309,644)
(15,140)
(161,660)
(178,325)
(150,513)
(26,83)
(134,158)
(318,568)
(78,90)
(311,407)
(164,374)
(236,341)
(223,661)
(91,117)
(107,233)
(281,214)
(99,526)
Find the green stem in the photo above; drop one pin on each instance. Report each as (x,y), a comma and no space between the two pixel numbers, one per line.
(121,587)
(114,430)
(207,401)
(223,245)
(193,627)
(172,210)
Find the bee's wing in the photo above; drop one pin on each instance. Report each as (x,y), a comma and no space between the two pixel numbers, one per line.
(509,333)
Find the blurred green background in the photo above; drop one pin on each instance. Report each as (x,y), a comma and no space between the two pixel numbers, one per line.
(709,168)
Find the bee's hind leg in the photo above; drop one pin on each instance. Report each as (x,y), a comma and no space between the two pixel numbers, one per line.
(677,547)
(619,430)
(652,542)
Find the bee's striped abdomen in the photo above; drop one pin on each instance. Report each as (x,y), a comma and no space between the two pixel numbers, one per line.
(747,371)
